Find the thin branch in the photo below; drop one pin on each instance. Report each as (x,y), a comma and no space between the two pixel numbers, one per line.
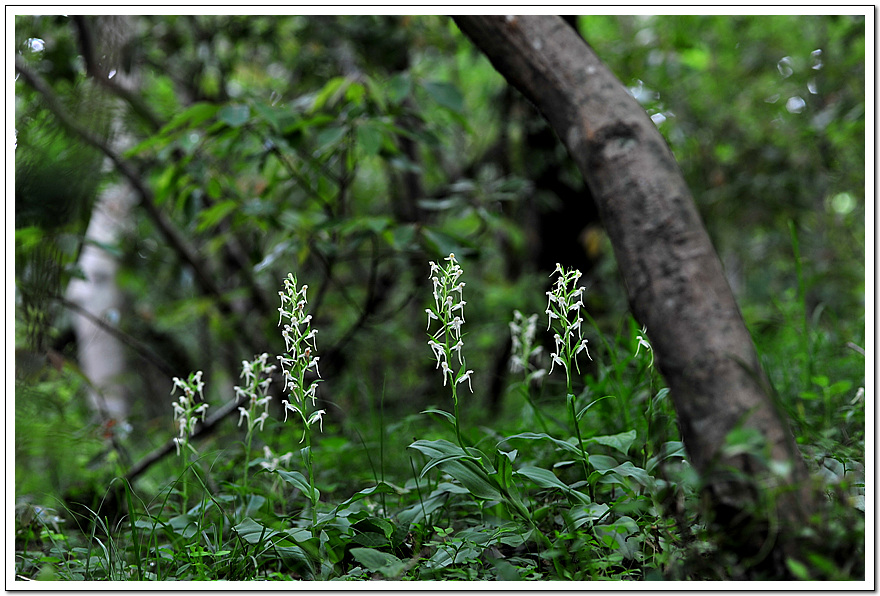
(203,429)
(141,349)
(87,51)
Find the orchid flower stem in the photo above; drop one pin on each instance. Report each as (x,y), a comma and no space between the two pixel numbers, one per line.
(577,429)
(247,455)
(307,460)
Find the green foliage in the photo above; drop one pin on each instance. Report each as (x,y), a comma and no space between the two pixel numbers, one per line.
(352,151)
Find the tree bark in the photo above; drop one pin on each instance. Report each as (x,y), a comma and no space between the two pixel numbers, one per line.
(674,279)
(101,354)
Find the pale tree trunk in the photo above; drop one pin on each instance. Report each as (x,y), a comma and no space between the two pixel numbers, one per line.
(674,280)
(101,354)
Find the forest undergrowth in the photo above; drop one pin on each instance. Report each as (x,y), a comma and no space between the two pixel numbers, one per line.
(584,476)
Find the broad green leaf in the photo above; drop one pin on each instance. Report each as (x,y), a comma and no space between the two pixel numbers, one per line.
(370,137)
(184,525)
(840,387)
(399,87)
(377,93)
(503,477)
(298,480)
(547,479)
(621,441)
(798,569)
(378,561)
(445,94)
(295,557)
(627,469)
(191,116)
(545,437)
(210,217)
(382,488)
(234,115)
(269,114)
(588,512)
(331,135)
(355,93)
(400,237)
(504,571)
(437,449)
(254,532)
(374,224)
(617,535)
(332,91)
(669,450)
(370,539)
(696,58)
(541,477)
(447,415)
(472,478)
(602,463)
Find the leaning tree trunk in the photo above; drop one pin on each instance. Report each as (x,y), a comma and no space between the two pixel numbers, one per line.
(673,277)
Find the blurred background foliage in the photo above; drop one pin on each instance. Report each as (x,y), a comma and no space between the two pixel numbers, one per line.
(351,150)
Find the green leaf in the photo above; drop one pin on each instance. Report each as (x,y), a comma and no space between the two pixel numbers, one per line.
(622,441)
(374,224)
(590,405)
(503,476)
(447,415)
(213,215)
(299,481)
(668,450)
(547,479)
(376,92)
(382,488)
(545,437)
(294,556)
(269,114)
(355,93)
(370,137)
(472,478)
(184,525)
(253,532)
(459,464)
(370,539)
(504,571)
(399,87)
(798,569)
(840,387)
(696,58)
(543,478)
(628,470)
(588,512)
(400,237)
(331,135)
(191,116)
(377,561)
(332,91)
(445,94)
(234,115)
(602,463)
